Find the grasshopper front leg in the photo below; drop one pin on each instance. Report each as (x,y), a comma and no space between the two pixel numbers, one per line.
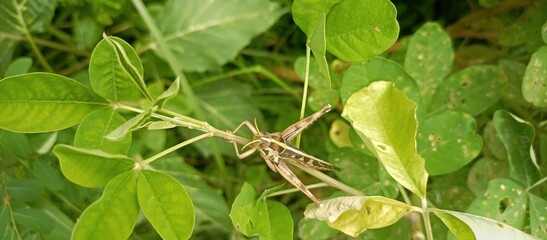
(250,151)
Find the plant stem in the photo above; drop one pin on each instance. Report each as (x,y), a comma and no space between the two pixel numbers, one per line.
(427,222)
(404,194)
(174,148)
(28,36)
(331,181)
(176,68)
(7,203)
(305,93)
(190,123)
(291,190)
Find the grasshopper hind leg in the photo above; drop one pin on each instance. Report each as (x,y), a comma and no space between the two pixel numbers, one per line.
(284,170)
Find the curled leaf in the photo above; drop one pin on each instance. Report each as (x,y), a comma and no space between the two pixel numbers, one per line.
(353,215)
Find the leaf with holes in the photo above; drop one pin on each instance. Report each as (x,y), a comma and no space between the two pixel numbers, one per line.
(534,83)
(472,90)
(538,211)
(483,171)
(504,200)
(355,30)
(354,215)
(446,150)
(429,58)
(253,216)
(385,120)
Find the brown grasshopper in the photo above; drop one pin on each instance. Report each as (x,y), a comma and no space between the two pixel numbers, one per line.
(276,150)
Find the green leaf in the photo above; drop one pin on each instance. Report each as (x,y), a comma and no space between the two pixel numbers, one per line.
(483,171)
(429,58)
(527,30)
(87,32)
(504,200)
(446,150)
(171,92)
(6,228)
(44,102)
(116,72)
(450,191)
(360,75)
(155,140)
(33,219)
(472,90)
(128,126)
(205,35)
(339,133)
(42,143)
(318,45)
(538,211)
(353,215)
(114,215)
(534,83)
(243,210)
(355,30)
(48,175)
(94,128)
(166,204)
(21,16)
(209,203)
(307,13)
(384,118)
(89,167)
(518,135)
(358,170)
(158,125)
(493,142)
(267,219)
(16,143)
(19,66)
(514,72)
(467,226)
(315,229)
(544,32)
(105,10)
(27,190)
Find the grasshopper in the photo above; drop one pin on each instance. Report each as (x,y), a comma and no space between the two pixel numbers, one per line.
(276,150)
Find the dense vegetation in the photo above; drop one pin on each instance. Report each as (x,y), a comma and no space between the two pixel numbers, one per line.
(116,118)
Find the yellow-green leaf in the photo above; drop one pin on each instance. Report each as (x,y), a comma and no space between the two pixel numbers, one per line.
(44,102)
(353,215)
(385,119)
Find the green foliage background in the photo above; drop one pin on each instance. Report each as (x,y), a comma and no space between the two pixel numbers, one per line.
(477,142)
